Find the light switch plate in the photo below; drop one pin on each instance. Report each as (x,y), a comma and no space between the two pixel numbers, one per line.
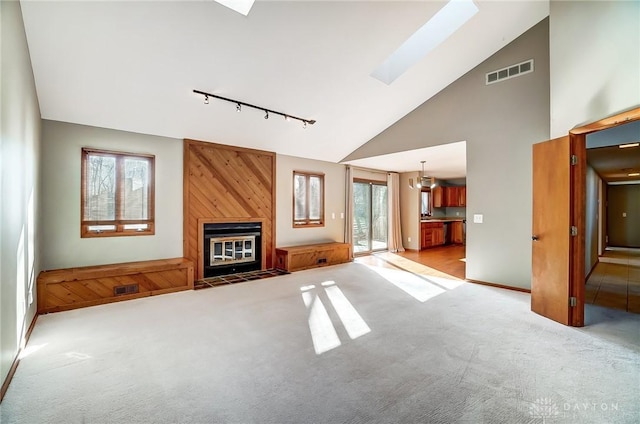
(477,218)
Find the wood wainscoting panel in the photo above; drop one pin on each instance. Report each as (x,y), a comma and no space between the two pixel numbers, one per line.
(227,184)
(64,289)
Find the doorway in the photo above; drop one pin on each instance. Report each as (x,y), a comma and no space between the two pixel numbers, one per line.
(555,288)
(370,217)
(613,218)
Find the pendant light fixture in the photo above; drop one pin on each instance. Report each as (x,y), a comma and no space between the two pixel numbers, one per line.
(424,180)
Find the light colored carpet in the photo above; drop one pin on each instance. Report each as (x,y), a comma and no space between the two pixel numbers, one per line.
(245,354)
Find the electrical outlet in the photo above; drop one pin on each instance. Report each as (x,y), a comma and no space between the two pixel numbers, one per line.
(624,214)
(409,239)
(478,218)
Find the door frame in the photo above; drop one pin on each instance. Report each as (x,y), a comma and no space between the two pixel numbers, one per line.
(578,141)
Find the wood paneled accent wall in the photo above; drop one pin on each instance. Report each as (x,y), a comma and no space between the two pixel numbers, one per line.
(231,183)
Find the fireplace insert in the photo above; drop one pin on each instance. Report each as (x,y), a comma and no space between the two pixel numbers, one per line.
(232,247)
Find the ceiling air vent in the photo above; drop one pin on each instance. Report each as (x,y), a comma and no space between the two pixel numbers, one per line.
(510,72)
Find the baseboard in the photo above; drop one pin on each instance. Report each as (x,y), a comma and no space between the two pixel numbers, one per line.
(500,286)
(591,271)
(16,360)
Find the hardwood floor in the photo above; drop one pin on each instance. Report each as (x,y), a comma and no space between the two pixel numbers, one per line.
(615,282)
(446,261)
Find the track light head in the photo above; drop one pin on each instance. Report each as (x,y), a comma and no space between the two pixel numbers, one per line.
(238,107)
(206,100)
(304,124)
(266,114)
(287,118)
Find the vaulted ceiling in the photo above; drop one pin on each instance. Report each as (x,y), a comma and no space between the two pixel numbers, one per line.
(133,65)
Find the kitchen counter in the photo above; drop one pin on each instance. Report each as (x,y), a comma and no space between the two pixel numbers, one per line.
(445,219)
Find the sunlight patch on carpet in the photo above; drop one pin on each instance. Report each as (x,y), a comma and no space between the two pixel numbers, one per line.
(323,331)
(414,285)
(30,350)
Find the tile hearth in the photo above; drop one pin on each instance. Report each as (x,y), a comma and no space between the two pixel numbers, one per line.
(237,278)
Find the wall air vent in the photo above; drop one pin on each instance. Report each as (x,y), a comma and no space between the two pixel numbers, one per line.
(510,72)
(127,289)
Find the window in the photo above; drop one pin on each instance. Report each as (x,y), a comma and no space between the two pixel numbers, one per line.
(370,216)
(308,199)
(425,207)
(117,194)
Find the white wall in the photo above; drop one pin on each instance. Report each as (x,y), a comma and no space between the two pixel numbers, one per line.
(62,245)
(334,189)
(594,61)
(19,188)
(499,122)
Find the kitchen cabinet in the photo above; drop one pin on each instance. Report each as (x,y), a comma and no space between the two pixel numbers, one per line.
(455,196)
(431,234)
(437,196)
(462,196)
(457,232)
(439,232)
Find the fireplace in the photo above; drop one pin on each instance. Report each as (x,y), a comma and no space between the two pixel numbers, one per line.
(231,247)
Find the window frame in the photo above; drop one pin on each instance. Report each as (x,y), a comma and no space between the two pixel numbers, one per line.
(307,222)
(118,222)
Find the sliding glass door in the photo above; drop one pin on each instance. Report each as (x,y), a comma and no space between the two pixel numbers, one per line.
(370,209)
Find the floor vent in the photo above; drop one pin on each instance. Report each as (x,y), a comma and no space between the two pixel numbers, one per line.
(510,72)
(128,289)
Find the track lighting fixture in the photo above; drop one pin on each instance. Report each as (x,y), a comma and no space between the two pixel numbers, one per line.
(239,105)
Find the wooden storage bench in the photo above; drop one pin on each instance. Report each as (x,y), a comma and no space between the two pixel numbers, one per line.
(296,258)
(64,289)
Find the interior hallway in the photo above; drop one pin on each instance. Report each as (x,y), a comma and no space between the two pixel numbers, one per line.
(615,281)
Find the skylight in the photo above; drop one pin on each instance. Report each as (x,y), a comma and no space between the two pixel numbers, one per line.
(437,29)
(240,6)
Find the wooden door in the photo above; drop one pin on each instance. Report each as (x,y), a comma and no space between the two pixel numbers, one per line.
(551,250)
